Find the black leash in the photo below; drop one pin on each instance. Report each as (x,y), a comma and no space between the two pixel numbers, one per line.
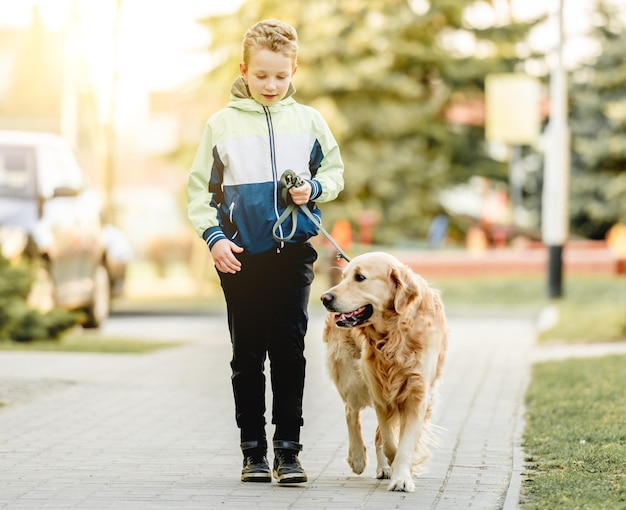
(288,180)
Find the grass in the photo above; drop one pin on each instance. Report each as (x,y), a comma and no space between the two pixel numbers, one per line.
(575,439)
(76,342)
(595,322)
(592,309)
(492,291)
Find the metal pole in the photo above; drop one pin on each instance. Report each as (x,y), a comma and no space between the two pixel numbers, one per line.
(555,208)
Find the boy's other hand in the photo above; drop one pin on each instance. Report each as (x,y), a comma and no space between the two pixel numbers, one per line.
(301,194)
(223,253)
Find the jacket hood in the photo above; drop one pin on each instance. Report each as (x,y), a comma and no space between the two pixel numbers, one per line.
(239,91)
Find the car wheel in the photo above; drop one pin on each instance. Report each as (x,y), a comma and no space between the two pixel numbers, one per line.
(100,306)
(42,293)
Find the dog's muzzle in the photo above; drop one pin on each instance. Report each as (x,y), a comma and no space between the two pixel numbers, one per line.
(346,319)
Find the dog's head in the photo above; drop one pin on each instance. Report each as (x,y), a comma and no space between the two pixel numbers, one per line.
(373,284)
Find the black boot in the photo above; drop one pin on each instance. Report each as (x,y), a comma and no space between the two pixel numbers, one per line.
(255,465)
(287,467)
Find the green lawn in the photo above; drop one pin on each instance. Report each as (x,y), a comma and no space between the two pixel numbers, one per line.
(575,435)
(76,342)
(592,309)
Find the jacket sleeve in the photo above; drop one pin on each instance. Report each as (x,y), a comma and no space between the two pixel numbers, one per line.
(327,182)
(202,199)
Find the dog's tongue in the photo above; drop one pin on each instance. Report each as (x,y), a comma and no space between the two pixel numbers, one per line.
(349,318)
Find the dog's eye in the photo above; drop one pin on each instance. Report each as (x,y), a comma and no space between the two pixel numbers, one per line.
(358,277)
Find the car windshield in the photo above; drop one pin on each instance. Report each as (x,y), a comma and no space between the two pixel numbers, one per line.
(17,171)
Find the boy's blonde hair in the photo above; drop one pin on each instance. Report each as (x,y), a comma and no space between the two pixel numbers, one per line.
(273,35)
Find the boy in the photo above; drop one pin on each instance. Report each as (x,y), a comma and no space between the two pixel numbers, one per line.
(234,201)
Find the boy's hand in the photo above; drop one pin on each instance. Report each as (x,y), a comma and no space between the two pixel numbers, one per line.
(301,194)
(223,253)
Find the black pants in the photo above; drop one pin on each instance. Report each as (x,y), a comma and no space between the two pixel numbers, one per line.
(267,316)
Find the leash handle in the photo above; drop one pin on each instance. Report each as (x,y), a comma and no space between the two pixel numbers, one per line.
(288,180)
(291,179)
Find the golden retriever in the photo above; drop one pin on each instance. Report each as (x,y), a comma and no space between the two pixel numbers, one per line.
(386,341)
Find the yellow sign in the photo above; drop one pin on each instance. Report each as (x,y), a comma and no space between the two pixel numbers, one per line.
(512,108)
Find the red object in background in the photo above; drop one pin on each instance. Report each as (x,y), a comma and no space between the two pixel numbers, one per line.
(367,221)
(342,233)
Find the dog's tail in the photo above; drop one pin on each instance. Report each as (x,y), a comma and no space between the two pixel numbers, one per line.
(429,438)
(430,435)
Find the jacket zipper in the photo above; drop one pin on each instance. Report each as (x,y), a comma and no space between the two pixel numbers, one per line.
(270,128)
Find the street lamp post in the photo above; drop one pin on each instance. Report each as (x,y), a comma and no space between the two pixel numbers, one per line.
(555,215)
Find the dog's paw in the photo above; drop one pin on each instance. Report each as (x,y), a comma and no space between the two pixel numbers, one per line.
(383,472)
(401,485)
(357,462)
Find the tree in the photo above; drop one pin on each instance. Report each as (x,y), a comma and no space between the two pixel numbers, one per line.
(384,74)
(598,130)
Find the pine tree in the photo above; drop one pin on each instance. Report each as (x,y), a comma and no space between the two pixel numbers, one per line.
(384,73)
(598,129)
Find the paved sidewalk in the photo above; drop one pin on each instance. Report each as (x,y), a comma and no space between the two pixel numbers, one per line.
(156,431)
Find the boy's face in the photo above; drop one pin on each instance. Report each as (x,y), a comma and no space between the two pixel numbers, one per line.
(268,75)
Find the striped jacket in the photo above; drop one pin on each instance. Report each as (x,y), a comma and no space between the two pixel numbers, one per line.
(234,183)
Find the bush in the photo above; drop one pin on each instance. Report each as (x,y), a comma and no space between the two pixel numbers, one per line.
(18,322)
(15,280)
(57,321)
(28,326)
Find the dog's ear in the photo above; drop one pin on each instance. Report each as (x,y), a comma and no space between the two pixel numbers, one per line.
(407,291)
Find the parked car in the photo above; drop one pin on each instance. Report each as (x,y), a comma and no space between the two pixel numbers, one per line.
(50,216)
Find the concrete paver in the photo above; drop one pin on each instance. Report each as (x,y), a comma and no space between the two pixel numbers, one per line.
(157,430)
